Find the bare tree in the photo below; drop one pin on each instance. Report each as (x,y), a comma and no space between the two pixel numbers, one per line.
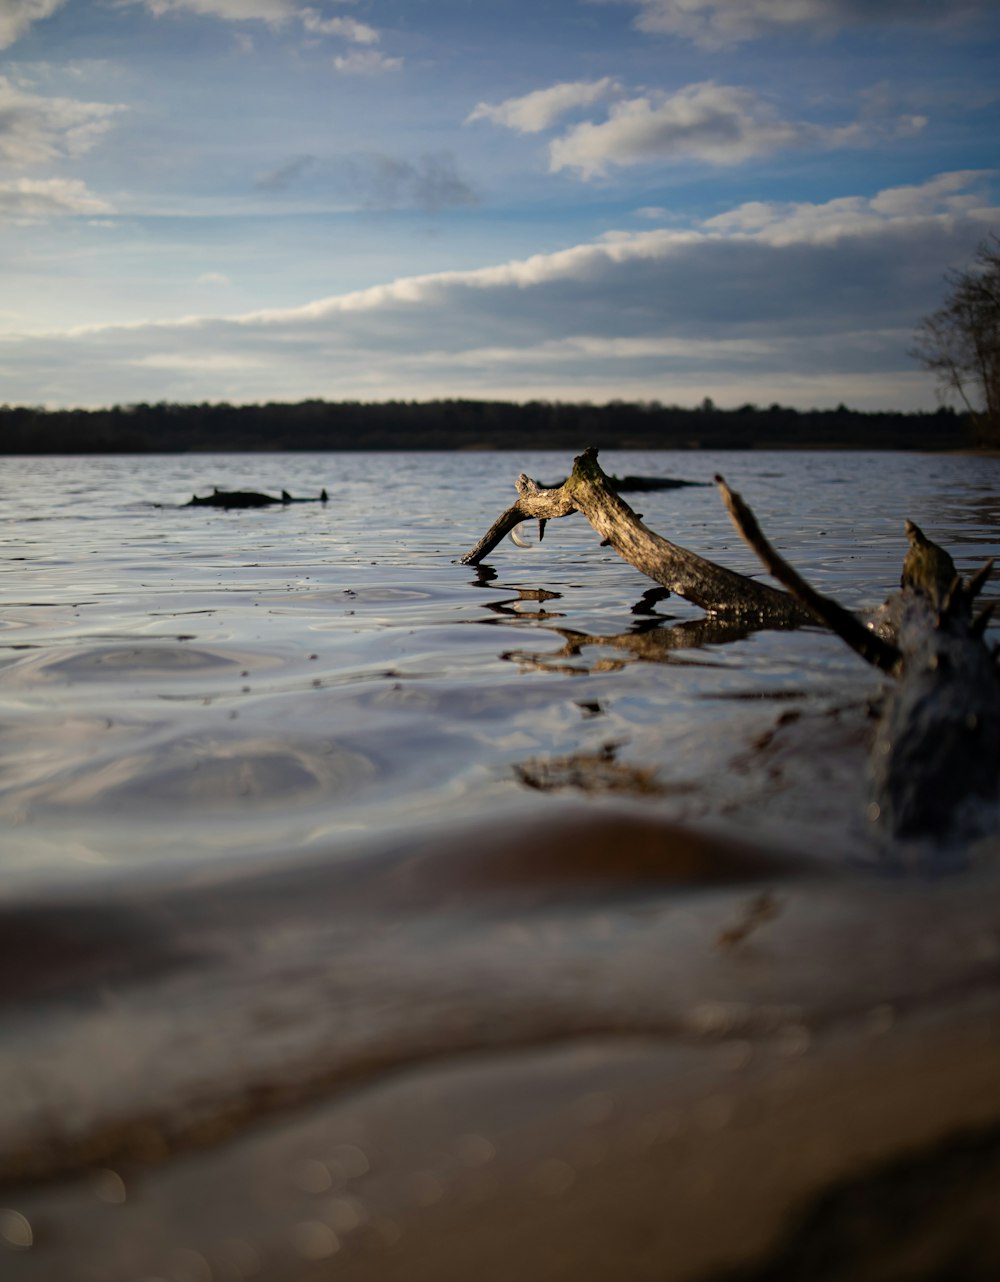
(960,342)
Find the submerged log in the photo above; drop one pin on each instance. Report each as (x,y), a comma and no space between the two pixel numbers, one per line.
(630,484)
(647,484)
(249,499)
(935,769)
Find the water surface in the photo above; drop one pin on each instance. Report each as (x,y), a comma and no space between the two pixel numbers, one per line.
(181,685)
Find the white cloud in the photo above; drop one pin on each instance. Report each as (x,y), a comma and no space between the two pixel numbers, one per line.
(719,23)
(720,124)
(35,130)
(950,196)
(16,16)
(707,122)
(947,191)
(814,303)
(210,362)
(542,108)
(366,63)
(348,28)
(34,199)
(271,11)
(275,13)
(213,278)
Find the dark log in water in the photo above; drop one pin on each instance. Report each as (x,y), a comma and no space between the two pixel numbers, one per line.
(936,757)
(648,484)
(249,498)
(630,484)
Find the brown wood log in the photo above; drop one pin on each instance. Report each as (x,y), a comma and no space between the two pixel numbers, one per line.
(714,588)
(935,762)
(936,758)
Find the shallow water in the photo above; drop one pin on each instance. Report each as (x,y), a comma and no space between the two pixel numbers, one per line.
(180,684)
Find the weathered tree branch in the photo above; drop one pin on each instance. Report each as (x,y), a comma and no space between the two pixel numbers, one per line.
(936,757)
(708,585)
(824,609)
(533,503)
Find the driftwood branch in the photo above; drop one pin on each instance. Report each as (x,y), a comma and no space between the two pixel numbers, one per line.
(714,588)
(844,624)
(936,755)
(533,503)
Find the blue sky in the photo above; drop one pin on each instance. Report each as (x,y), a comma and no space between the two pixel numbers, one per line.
(246,200)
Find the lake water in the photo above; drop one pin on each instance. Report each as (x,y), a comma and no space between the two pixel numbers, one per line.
(181,686)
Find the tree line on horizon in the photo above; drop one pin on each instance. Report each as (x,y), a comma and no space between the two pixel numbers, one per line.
(318,425)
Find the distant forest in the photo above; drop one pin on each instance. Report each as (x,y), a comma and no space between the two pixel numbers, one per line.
(465,424)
